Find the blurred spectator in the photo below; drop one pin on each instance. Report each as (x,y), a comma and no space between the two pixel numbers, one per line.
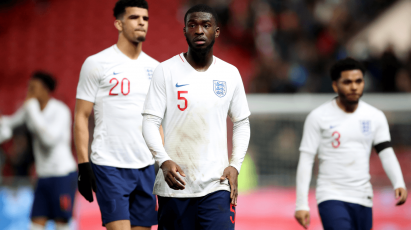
(18,154)
(293,43)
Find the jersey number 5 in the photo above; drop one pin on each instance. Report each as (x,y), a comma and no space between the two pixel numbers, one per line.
(336,142)
(179,97)
(122,87)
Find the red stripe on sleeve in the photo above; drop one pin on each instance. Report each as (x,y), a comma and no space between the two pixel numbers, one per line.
(181,58)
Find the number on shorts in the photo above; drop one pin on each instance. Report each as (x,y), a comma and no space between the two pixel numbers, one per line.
(232,210)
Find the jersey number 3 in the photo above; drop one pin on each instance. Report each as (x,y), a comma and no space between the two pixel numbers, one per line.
(125,80)
(179,97)
(336,142)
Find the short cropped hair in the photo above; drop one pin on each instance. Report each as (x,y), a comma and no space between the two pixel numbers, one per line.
(121,5)
(202,8)
(343,65)
(46,78)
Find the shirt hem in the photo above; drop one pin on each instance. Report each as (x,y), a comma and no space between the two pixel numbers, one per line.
(46,175)
(192,195)
(354,201)
(140,166)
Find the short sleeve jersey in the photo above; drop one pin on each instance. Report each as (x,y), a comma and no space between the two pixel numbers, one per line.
(117,85)
(343,142)
(194,107)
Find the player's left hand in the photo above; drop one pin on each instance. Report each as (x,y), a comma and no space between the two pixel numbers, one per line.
(401,196)
(231,174)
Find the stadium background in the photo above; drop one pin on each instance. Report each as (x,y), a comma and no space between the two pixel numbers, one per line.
(282,49)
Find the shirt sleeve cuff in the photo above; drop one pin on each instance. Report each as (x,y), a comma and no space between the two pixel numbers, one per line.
(236,166)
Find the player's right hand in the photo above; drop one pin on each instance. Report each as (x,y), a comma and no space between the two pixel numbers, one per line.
(401,196)
(86,181)
(174,181)
(303,217)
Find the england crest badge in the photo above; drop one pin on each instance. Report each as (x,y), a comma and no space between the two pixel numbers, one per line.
(220,88)
(149,71)
(365,127)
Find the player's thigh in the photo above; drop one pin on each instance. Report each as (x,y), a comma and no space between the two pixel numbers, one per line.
(335,215)
(361,216)
(177,213)
(62,197)
(114,186)
(118,225)
(41,203)
(216,212)
(142,200)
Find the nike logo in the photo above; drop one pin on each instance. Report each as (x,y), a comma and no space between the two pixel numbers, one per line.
(180,85)
(331,126)
(114,73)
(79,178)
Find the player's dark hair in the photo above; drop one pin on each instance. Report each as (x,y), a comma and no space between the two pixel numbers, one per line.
(343,65)
(202,8)
(121,5)
(46,78)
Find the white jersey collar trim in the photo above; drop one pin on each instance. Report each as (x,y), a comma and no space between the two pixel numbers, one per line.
(184,60)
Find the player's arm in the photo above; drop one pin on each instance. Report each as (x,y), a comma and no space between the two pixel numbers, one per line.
(87,89)
(8,123)
(239,113)
(154,109)
(48,132)
(241,138)
(308,149)
(82,113)
(382,144)
(151,134)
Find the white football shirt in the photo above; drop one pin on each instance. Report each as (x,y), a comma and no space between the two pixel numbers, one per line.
(117,85)
(194,107)
(343,142)
(51,129)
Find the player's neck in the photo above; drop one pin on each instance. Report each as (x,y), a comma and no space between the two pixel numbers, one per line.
(199,61)
(128,48)
(346,106)
(43,102)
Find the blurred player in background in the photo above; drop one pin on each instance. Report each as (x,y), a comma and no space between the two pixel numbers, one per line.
(343,131)
(49,121)
(115,82)
(191,94)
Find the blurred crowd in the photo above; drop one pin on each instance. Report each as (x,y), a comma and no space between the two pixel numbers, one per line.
(293,43)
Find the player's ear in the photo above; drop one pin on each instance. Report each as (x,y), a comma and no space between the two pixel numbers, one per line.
(334,85)
(119,25)
(184,29)
(217,31)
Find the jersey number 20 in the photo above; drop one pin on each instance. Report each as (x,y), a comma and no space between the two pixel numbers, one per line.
(122,87)
(336,142)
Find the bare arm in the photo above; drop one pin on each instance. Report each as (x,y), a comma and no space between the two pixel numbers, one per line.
(81,133)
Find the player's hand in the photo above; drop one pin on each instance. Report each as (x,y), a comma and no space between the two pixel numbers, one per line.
(170,171)
(29,96)
(86,181)
(231,174)
(303,217)
(401,196)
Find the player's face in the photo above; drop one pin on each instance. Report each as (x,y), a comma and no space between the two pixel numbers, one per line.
(134,24)
(36,89)
(350,86)
(200,31)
